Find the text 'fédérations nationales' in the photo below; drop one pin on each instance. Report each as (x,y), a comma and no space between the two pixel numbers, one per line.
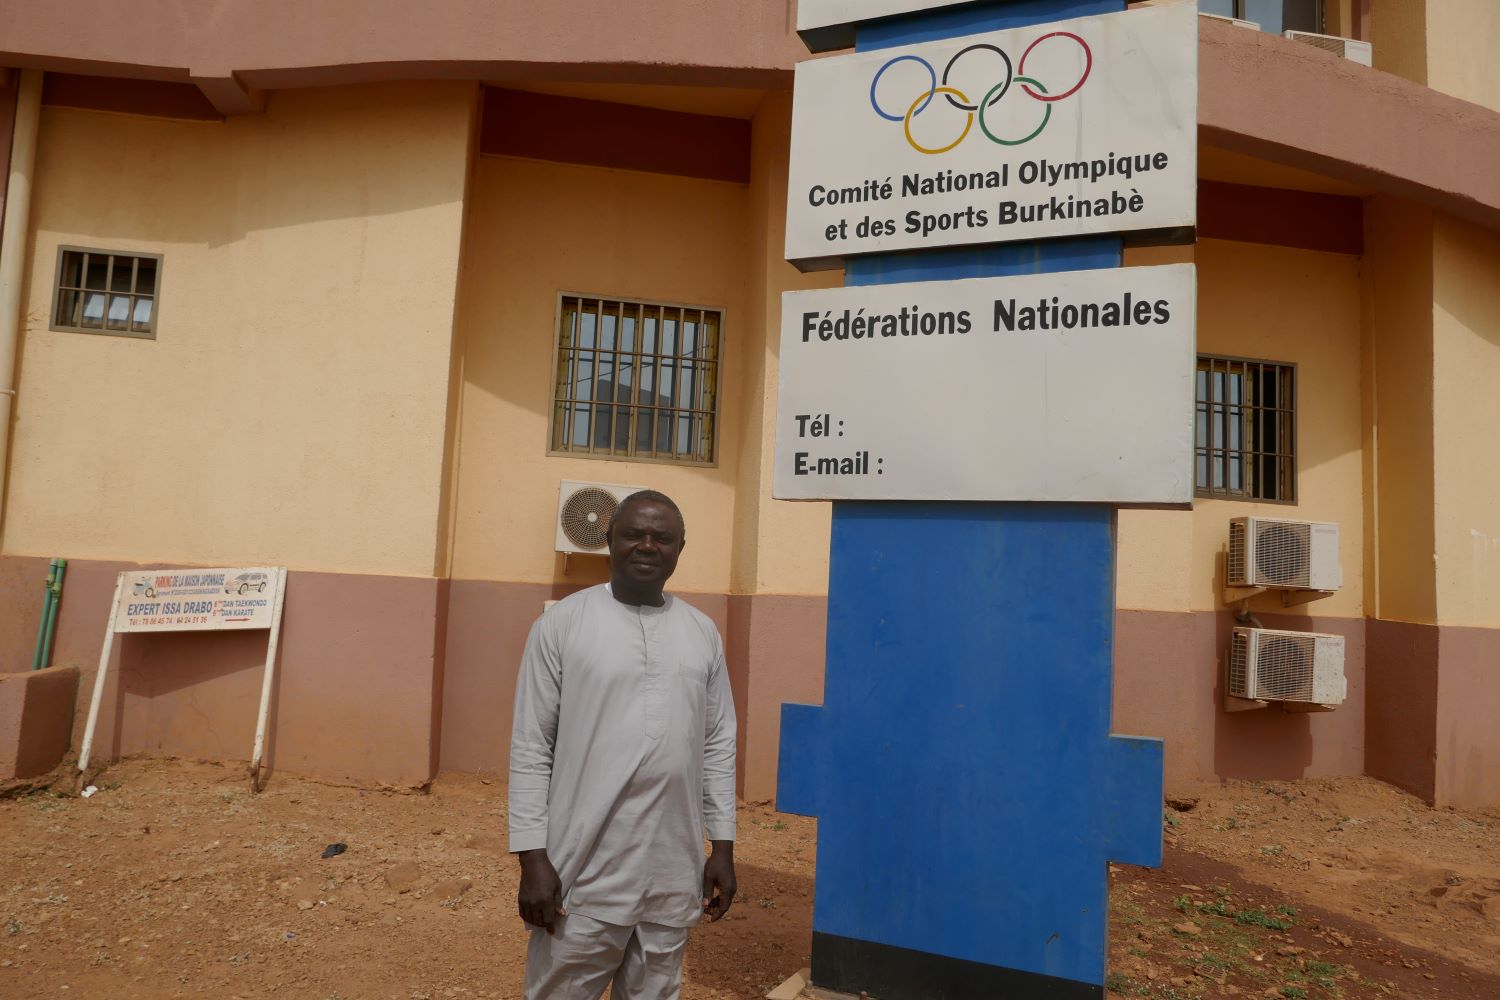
(1112,169)
(1010,315)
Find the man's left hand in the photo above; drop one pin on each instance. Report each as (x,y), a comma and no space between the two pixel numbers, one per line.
(718,880)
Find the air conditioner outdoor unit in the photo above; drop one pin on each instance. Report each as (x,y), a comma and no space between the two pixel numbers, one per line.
(1360,52)
(1290,555)
(1237,22)
(1270,665)
(583,513)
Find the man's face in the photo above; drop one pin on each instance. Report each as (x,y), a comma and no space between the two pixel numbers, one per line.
(645,544)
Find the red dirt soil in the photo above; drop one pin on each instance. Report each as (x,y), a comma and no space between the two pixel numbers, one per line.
(175,881)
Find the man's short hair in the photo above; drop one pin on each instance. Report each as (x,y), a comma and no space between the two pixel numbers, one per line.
(640,496)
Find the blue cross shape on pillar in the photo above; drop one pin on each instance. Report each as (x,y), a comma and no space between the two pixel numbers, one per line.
(967,789)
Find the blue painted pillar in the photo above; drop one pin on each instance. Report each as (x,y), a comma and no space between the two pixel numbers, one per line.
(968,790)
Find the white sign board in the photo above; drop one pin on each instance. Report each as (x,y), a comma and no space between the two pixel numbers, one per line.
(1076,386)
(1070,128)
(829,24)
(197,600)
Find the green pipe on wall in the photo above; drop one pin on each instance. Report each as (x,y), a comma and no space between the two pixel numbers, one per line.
(41,625)
(42,656)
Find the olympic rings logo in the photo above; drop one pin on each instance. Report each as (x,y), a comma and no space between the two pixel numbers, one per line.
(955,97)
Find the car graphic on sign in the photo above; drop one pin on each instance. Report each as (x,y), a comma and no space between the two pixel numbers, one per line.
(144,588)
(246,582)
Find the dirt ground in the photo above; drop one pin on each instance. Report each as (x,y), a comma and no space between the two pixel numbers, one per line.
(1313,889)
(175,881)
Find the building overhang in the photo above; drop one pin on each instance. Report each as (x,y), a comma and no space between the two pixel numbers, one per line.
(1295,105)
(1261,96)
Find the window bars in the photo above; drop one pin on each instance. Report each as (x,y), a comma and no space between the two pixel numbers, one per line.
(636,380)
(1245,435)
(99,291)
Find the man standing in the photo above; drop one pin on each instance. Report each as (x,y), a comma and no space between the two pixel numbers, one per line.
(622,756)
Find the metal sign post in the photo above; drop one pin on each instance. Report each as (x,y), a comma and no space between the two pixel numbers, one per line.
(195,600)
(968,789)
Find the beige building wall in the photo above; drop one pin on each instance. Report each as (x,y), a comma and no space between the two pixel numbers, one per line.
(1272,304)
(1466,508)
(1466,423)
(1402,664)
(1447,44)
(758,566)
(316,397)
(538,229)
(780,547)
(1462,39)
(1264,303)
(1433,362)
(291,409)
(1398,271)
(1397,31)
(777,608)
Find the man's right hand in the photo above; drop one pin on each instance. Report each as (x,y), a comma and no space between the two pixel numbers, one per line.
(540,897)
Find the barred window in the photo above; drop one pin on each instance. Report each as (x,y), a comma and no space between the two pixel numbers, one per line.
(636,380)
(98,291)
(1246,430)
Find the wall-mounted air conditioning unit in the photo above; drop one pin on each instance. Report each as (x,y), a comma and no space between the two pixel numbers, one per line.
(1354,51)
(1285,554)
(1237,22)
(583,513)
(1299,667)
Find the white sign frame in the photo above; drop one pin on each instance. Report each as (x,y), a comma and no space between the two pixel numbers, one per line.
(1088,398)
(199,583)
(1082,127)
(196,600)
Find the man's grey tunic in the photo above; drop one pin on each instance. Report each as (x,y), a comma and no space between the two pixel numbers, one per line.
(622,755)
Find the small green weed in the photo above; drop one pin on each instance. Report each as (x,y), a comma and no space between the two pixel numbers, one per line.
(1259,918)
(1129,914)
(1181,903)
(1294,993)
